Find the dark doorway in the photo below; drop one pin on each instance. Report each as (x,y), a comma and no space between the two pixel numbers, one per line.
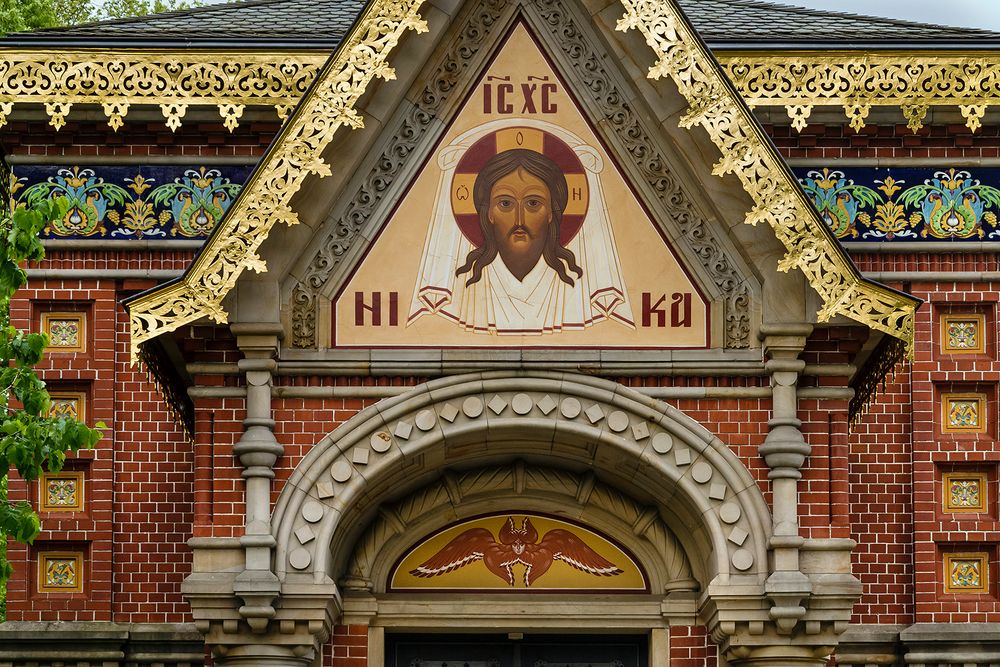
(431,650)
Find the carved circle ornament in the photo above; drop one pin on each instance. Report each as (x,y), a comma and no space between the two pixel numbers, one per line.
(540,142)
(574,419)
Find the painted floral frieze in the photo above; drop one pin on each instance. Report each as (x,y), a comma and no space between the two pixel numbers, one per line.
(908,205)
(131,202)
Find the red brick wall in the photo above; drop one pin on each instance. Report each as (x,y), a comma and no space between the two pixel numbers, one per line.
(825,142)
(92,139)
(691,647)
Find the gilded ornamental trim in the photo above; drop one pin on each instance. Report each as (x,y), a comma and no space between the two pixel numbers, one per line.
(265,199)
(747,153)
(119,79)
(914,81)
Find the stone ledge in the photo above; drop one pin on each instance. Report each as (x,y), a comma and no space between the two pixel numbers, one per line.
(102,644)
(920,645)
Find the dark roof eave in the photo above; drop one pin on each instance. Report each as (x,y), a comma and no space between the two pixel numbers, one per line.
(39,40)
(208,43)
(965,44)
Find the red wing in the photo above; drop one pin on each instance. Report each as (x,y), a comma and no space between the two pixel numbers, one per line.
(464,549)
(567,547)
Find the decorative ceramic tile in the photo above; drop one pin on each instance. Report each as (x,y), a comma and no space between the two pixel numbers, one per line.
(966,572)
(61,492)
(68,404)
(67,331)
(60,572)
(963,412)
(963,334)
(964,492)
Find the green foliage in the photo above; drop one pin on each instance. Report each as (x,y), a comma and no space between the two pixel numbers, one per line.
(17,15)
(30,441)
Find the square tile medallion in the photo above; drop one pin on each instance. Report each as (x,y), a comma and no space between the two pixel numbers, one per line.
(963,334)
(963,413)
(966,572)
(964,492)
(68,404)
(60,572)
(61,492)
(67,331)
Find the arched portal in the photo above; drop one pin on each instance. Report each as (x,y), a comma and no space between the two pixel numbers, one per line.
(587,447)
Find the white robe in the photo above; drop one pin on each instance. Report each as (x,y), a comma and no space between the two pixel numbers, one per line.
(540,304)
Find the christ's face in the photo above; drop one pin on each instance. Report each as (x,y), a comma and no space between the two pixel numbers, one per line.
(520,213)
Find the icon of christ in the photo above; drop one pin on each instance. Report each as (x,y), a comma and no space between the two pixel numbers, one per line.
(506,262)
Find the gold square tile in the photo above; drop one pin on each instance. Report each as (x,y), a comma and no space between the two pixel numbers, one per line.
(60,572)
(967,572)
(67,331)
(963,333)
(965,492)
(61,492)
(963,413)
(68,404)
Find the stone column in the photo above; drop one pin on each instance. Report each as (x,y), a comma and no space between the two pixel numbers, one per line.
(258,451)
(785,451)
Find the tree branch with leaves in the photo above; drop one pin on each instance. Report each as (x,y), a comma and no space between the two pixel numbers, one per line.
(31,441)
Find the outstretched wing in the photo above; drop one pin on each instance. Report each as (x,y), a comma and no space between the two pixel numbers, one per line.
(468,547)
(567,547)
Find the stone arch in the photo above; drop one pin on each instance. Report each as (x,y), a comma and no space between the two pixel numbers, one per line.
(651,451)
(460,495)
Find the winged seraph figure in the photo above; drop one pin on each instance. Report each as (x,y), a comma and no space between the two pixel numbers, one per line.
(516,546)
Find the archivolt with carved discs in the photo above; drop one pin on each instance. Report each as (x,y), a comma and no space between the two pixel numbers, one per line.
(587,421)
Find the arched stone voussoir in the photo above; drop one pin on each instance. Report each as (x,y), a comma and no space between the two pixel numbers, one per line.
(648,449)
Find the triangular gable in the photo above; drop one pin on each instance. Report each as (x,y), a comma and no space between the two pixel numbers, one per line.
(587,267)
(715,105)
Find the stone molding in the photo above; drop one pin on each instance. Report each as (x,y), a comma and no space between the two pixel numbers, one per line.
(598,89)
(577,420)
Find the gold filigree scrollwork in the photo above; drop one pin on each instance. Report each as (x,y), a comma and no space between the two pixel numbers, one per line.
(973,115)
(265,199)
(171,79)
(857,81)
(747,153)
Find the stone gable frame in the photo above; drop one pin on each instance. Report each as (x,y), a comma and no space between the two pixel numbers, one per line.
(624,127)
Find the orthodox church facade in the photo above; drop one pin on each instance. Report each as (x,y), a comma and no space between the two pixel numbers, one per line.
(512,332)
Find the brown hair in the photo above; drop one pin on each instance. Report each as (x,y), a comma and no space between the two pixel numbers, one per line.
(536,164)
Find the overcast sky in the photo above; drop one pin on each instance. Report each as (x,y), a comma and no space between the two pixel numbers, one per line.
(966,13)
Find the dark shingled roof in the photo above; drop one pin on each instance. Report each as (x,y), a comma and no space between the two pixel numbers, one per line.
(323,23)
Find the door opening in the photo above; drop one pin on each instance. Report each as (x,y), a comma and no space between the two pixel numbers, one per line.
(541,650)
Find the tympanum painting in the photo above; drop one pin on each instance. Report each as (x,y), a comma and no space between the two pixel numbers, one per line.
(520,231)
(522,552)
